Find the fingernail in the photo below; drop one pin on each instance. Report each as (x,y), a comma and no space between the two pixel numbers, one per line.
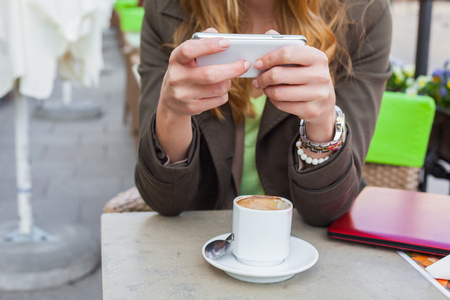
(255,84)
(247,64)
(258,64)
(224,43)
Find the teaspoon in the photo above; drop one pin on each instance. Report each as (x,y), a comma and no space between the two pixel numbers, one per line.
(217,248)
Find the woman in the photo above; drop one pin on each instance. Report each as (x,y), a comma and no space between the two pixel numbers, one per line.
(207,137)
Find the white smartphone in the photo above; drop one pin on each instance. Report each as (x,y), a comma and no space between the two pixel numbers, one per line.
(246,46)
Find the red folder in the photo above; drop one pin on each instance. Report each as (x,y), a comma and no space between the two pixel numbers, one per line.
(406,220)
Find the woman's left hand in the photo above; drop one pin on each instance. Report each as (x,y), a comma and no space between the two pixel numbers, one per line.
(297,80)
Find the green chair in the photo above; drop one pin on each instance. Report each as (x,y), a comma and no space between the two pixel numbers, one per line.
(399,145)
(130,14)
(124,4)
(131,19)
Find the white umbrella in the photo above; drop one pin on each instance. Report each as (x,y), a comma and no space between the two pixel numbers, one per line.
(74,28)
(40,36)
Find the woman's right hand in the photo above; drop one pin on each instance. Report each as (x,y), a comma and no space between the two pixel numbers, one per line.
(190,90)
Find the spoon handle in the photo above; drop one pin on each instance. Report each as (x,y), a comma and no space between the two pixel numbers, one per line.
(230,237)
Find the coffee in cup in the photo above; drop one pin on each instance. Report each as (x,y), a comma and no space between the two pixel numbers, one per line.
(262,229)
(263,203)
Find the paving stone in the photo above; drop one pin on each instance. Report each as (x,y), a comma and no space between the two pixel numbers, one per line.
(89,187)
(63,209)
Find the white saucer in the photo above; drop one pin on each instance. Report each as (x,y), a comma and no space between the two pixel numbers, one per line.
(302,256)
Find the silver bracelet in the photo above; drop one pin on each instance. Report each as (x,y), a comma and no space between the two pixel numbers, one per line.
(335,144)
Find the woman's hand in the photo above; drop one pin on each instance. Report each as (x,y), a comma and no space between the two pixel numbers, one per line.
(189,90)
(304,88)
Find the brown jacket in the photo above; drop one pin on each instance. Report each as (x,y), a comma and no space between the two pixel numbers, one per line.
(321,193)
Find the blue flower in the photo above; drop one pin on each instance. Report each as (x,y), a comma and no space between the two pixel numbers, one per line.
(438,74)
(443,92)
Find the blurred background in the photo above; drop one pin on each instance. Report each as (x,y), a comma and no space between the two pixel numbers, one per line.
(82,129)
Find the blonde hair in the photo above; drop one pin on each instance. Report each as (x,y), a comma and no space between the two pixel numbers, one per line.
(322,22)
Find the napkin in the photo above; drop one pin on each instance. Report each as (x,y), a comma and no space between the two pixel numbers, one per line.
(440,269)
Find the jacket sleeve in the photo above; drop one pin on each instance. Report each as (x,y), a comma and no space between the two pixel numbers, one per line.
(160,185)
(323,193)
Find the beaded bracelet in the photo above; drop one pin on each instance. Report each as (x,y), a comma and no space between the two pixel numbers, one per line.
(309,160)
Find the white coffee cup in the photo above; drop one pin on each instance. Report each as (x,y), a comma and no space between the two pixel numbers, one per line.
(261,236)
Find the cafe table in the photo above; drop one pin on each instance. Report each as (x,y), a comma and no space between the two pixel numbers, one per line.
(148,256)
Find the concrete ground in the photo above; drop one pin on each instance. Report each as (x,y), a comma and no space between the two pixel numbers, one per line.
(77,166)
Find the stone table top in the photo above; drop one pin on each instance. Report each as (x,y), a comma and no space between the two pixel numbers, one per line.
(148,256)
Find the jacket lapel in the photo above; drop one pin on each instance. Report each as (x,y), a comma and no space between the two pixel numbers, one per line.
(219,135)
(172,8)
(271,117)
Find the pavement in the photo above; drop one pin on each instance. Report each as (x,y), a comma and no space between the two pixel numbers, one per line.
(77,166)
